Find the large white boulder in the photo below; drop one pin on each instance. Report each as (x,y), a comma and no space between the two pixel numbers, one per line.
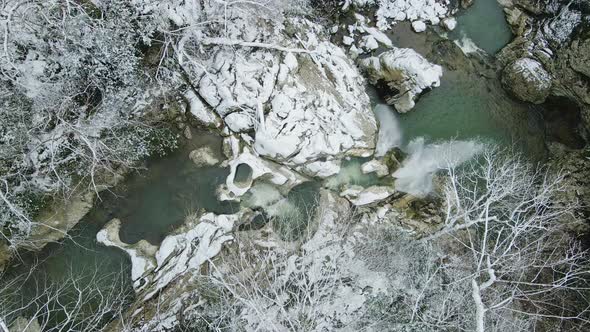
(303,109)
(406,72)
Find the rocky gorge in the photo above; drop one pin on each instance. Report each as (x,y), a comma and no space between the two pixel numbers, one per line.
(305,189)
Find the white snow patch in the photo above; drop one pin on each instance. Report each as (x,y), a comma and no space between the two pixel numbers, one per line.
(419,26)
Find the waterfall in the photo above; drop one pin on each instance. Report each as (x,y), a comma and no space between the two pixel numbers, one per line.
(424,160)
(390,134)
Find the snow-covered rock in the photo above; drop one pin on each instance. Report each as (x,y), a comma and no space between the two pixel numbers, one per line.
(154,267)
(302,107)
(391,11)
(419,26)
(527,80)
(360,196)
(141,253)
(376,166)
(318,114)
(201,113)
(253,167)
(450,23)
(406,72)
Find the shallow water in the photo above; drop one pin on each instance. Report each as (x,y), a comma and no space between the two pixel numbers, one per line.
(158,201)
(351,175)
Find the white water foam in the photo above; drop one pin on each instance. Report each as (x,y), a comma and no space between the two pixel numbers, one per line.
(390,133)
(424,160)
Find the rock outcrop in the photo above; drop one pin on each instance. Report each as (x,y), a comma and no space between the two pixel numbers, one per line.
(406,73)
(303,108)
(527,80)
(155,267)
(551,48)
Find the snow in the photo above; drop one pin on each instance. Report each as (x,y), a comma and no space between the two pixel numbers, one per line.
(370,43)
(346,40)
(376,166)
(318,113)
(406,71)
(196,242)
(407,10)
(322,169)
(277,174)
(201,112)
(305,110)
(419,26)
(360,196)
(450,23)
(140,253)
(533,72)
(379,36)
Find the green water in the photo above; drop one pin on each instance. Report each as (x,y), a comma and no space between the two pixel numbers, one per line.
(150,203)
(293,221)
(158,201)
(466,106)
(485,24)
(351,175)
(470,103)
(94,268)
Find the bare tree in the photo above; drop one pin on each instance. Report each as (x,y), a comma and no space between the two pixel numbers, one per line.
(520,258)
(79,302)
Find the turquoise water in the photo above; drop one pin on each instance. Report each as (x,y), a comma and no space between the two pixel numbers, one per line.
(157,201)
(484,23)
(150,203)
(294,221)
(460,108)
(470,103)
(94,268)
(351,175)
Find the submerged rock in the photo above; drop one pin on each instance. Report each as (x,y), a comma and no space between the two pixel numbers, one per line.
(55,221)
(406,73)
(204,156)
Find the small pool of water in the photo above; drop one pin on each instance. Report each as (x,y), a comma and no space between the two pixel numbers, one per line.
(485,24)
(157,201)
(351,175)
(470,102)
